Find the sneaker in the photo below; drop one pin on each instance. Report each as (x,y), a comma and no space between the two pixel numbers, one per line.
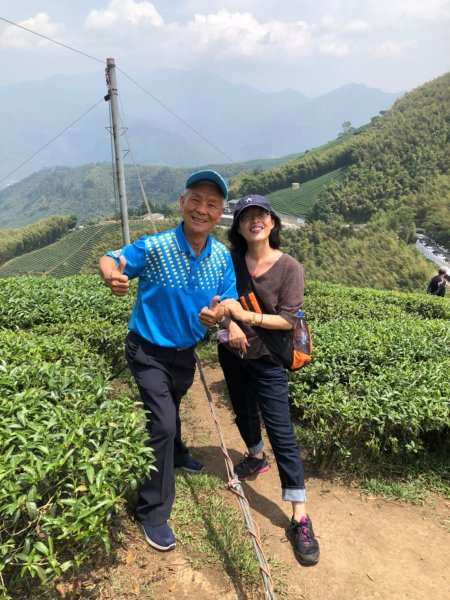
(301,536)
(251,465)
(160,537)
(188,464)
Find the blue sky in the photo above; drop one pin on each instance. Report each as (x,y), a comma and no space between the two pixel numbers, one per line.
(307,45)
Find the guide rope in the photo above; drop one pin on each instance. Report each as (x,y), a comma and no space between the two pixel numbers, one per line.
(235,486)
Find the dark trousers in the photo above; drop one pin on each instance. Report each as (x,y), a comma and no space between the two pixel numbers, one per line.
(163,376)
(261,384)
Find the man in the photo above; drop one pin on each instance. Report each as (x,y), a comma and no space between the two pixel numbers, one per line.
(181,271)
(438,283)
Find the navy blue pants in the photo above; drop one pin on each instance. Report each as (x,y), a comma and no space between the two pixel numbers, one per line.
(163,376)
(257,386)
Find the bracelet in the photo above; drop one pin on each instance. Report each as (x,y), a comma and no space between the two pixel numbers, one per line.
(254,320)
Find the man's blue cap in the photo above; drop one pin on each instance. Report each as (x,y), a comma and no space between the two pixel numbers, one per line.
(211,176)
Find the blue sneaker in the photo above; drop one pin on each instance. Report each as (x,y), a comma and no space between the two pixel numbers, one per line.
(188,464)
(160,537)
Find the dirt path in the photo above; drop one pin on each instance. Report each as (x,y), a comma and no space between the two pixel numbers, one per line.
(370,548)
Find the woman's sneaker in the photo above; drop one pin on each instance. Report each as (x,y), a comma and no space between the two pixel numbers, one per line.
(251,465)
(301,536)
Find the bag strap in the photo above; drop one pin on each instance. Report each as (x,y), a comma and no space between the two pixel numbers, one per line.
(277,341)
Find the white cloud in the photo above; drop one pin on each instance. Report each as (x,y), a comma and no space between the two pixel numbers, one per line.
(390,48)
(242,34)
(124,12)
(329,24)
(332,46)
(356,26)
(13,37)
(428,10)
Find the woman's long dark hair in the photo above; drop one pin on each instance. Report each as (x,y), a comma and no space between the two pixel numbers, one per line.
(238,243)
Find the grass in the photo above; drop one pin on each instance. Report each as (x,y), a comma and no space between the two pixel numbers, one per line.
(413,484)
(212,531)
(299,202)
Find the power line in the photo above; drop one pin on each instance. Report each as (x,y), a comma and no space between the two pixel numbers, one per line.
(58,135)
(130,78)
(138,171)
(49,39)
(174,114)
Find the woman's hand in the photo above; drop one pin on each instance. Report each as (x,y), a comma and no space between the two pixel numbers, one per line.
(234,310)
(237,338)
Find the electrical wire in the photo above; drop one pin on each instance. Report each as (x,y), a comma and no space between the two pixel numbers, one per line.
(138,171)
(47,144)
(133,80)
(175,115)
(49,39)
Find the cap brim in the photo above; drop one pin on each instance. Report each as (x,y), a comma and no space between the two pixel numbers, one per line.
(210,176)
(259,205)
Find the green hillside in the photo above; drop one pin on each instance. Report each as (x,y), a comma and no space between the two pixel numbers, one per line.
(65,257)
(311,164)
(77,252)
(19,241)
(87,191)
(401,162)
(396,168)
(337,253)
(299,202)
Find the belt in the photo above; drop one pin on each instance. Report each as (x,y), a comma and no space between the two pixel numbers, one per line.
(154,347)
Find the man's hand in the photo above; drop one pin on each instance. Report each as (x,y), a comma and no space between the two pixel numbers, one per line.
(212,315)
(117,281)
(237,338)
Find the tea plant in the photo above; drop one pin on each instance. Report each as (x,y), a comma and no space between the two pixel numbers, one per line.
(70,454)
(376,390)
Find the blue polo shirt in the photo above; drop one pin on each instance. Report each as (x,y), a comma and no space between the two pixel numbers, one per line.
(174,285)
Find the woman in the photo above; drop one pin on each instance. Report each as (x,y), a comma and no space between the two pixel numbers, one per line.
(256,381)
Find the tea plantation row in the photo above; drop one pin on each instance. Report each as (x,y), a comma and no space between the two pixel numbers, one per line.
(378,390)
(71,451)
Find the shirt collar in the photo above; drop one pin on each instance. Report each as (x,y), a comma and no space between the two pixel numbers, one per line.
(185,247)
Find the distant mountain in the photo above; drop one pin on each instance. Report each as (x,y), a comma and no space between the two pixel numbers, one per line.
(87,191)
(395,172)
(243,121)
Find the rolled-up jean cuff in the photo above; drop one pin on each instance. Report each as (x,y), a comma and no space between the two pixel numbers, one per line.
(294,495)
(255,449)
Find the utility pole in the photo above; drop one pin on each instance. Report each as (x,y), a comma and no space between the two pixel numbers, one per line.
(111,82)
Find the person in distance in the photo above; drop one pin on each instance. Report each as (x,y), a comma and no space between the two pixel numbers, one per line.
(438,283)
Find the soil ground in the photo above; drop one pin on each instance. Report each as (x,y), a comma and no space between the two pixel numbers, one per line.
(371,549)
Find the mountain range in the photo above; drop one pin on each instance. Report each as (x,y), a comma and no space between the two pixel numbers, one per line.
(245,123)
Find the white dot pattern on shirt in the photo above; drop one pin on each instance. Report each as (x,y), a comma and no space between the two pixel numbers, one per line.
(168,266)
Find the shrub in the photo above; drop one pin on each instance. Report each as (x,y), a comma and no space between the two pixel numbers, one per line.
(375,390)
(69,454)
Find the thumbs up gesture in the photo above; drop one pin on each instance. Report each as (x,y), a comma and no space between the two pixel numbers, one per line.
(210,316)
(117,281)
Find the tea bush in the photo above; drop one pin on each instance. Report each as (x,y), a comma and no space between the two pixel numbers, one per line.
(29,301)
(375,390)
(326,302)
(70,453)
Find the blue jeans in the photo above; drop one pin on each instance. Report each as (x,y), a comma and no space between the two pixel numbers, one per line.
(260,385)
